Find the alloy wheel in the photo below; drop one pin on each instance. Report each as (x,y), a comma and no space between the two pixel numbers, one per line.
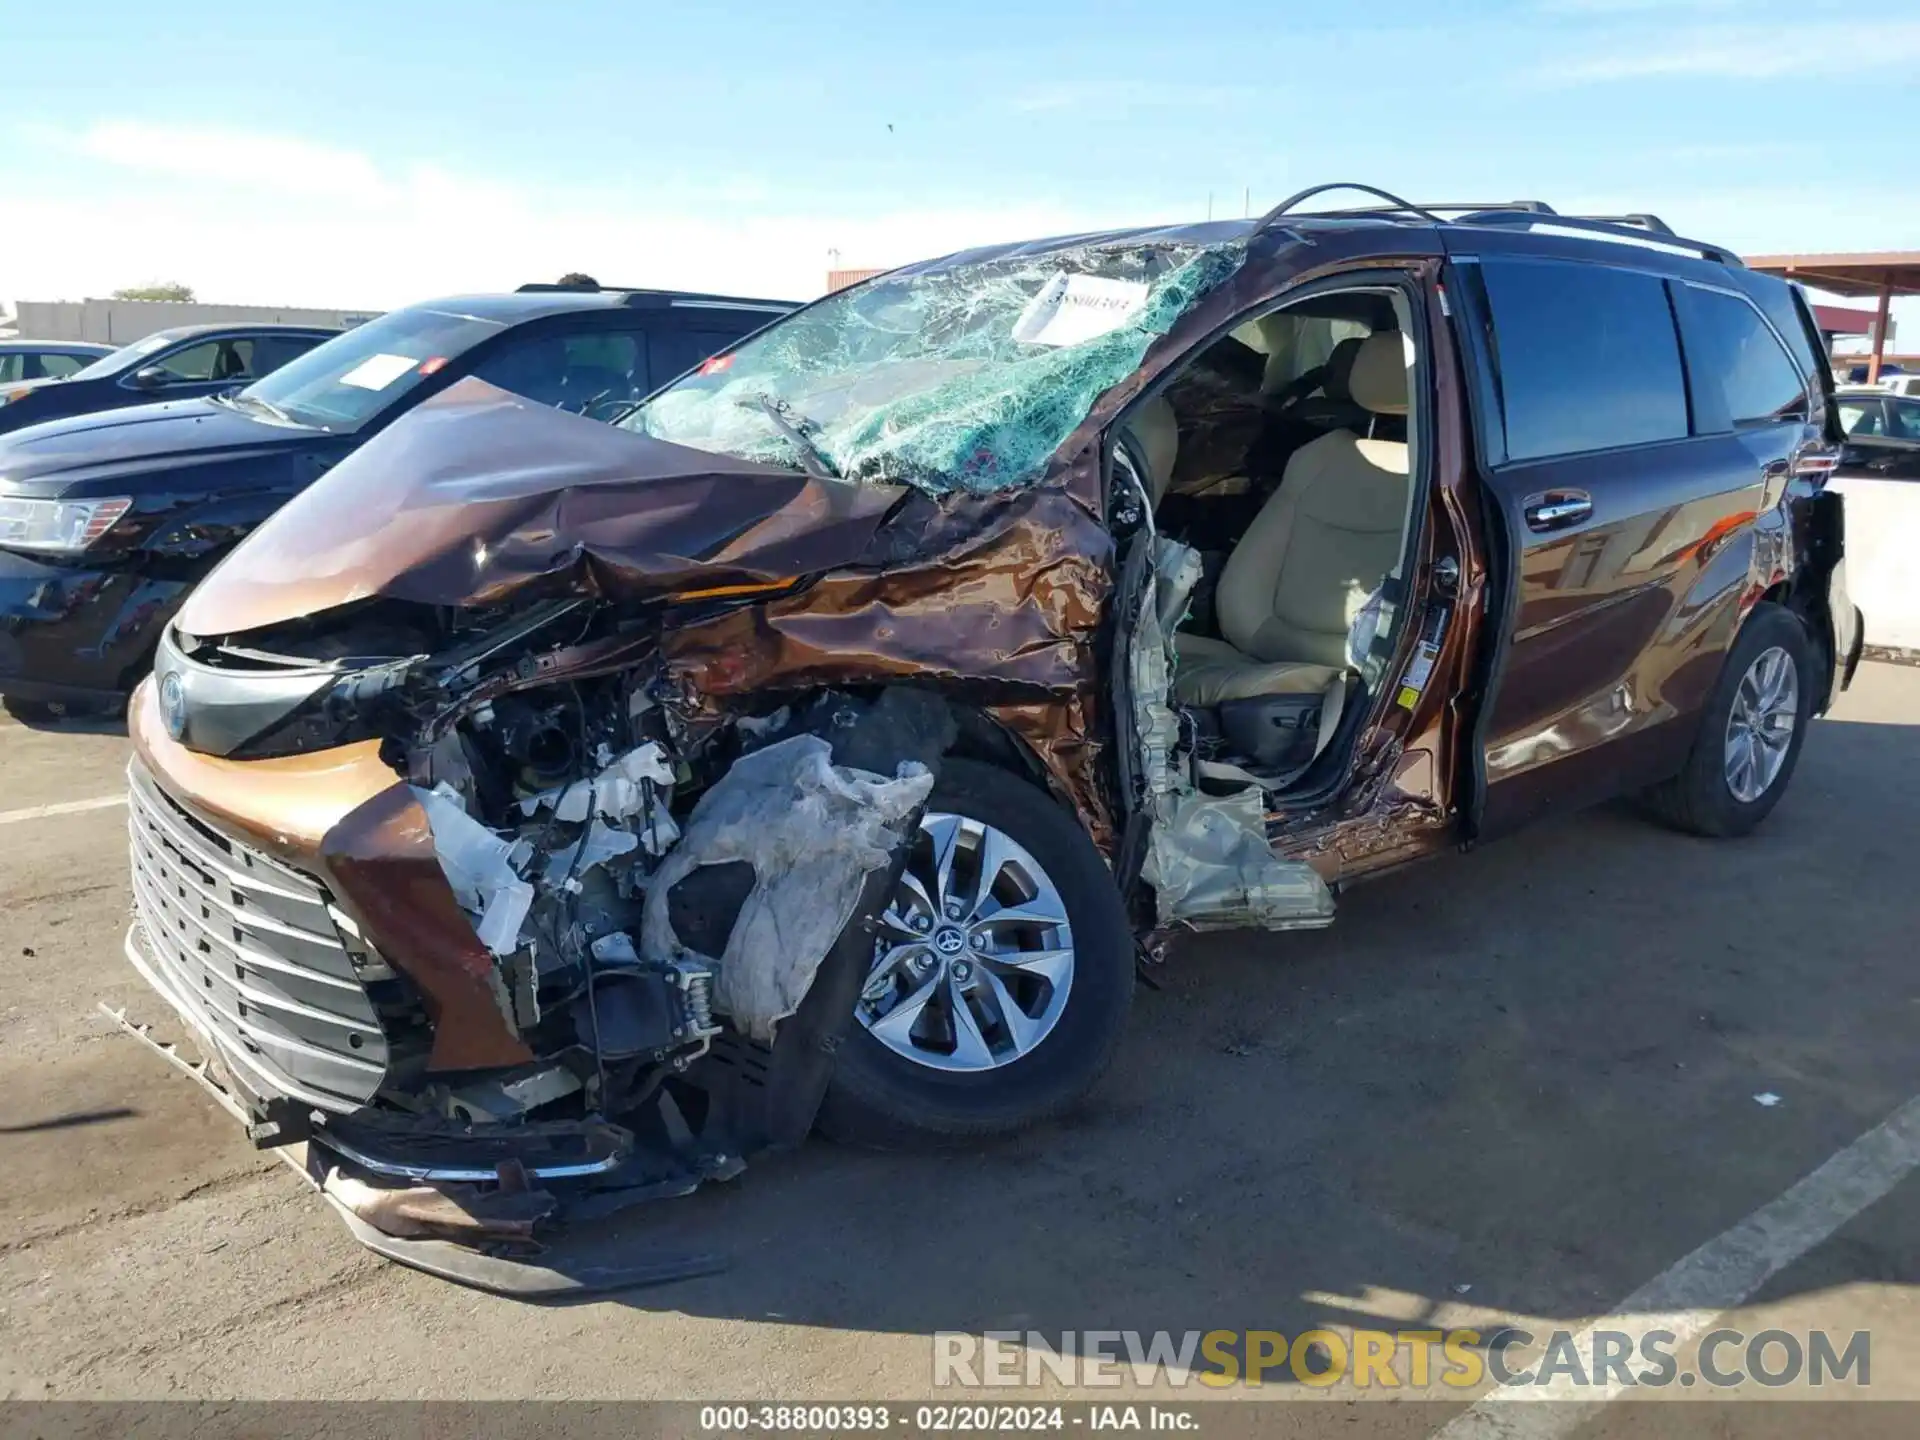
(1766,708)
(975,957)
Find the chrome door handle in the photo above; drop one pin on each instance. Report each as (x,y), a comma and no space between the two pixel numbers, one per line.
(1557,509)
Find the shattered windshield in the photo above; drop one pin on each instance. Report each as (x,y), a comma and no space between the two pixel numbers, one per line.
(963,378)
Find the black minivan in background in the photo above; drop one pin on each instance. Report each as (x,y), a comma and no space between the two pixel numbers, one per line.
(175,364)
(108,520)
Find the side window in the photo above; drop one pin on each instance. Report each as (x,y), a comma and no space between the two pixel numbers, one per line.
(606,371)
(12,367)
(1903,419)
(674,352)
(236,361)
(589,374)
(1587,355)
(1862,417)
(1731,349)
(60,366)
(270,352)
(530,366)
(209,361)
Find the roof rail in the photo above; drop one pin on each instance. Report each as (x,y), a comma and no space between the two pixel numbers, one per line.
(1642,228)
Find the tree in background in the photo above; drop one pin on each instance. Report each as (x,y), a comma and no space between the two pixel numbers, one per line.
(576,280)
(159,290)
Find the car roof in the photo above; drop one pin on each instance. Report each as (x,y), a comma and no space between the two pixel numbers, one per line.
(72,347)
(1567,236)
(239,327)
(538,302)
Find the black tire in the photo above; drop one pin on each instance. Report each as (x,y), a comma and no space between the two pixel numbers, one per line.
(30,712)
(879,1098)
(45,712)
(1699,799)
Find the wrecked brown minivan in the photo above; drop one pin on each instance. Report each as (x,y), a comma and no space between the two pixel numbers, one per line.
(539,816)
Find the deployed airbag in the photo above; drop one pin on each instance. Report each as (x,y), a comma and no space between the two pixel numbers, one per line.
(813,832)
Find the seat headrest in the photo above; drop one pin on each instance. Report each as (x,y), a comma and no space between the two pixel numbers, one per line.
(1379,379)
(1339,382)
(1156,433)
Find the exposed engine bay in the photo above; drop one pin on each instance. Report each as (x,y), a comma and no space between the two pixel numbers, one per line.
(658,893)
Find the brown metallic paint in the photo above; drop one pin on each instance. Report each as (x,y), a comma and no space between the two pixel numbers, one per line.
(382,860)
(345,816)
(477,496)
(284,805)
(1622,621)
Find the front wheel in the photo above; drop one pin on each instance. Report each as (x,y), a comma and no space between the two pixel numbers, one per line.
(1000,984)
(1750,731)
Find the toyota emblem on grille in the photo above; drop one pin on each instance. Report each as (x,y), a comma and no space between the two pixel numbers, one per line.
(173,704)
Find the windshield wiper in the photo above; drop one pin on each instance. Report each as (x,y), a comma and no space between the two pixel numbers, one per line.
(812,458)
(240,400)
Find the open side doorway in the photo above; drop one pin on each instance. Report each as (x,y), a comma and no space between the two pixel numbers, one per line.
(1273,601)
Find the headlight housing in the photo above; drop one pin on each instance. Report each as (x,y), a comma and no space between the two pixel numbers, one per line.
(60,526)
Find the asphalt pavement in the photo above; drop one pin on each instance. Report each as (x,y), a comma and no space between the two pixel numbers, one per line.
(1512,1087)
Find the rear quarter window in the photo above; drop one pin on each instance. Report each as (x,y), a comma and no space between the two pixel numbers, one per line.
(1738,362)
(1588,357)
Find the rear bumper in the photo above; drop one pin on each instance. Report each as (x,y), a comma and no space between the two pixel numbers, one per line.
(75,633)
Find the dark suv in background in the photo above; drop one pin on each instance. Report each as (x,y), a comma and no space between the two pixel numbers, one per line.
(107,521)
(174,364)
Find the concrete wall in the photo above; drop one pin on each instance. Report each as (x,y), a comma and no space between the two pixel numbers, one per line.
(1883,557)
(121,322)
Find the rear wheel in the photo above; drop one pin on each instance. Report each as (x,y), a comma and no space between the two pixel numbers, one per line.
(1750,731)
(1000,984)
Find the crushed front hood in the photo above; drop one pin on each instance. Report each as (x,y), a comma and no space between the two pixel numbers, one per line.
(479,494)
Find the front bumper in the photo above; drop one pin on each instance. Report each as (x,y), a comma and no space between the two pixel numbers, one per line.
(267,973)
(74,633)
(291,936)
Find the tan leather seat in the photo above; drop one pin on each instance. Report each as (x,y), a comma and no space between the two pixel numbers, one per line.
(1156,437)
(1325,541)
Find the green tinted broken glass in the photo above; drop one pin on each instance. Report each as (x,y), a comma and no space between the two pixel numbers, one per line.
(962,378)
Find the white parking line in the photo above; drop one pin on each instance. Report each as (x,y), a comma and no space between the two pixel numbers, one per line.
(65,807)
(1721,1274)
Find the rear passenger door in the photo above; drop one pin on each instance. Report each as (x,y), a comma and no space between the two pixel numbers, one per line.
(1628,496)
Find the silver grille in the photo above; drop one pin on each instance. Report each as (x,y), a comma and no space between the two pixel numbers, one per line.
(247,950)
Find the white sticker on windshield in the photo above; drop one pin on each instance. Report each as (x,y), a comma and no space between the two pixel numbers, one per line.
(1072,309)
(377,372)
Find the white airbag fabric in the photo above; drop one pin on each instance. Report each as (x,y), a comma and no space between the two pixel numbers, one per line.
(812,831)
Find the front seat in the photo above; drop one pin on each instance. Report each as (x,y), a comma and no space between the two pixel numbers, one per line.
(1318,548)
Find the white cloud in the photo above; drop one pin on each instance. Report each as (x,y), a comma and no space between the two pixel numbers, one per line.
(1747,52)
(233,158)
(245,217)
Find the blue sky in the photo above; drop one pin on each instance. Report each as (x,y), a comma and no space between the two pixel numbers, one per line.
(360,154)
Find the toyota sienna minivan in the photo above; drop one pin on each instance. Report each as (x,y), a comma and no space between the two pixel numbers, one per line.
(535,815)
